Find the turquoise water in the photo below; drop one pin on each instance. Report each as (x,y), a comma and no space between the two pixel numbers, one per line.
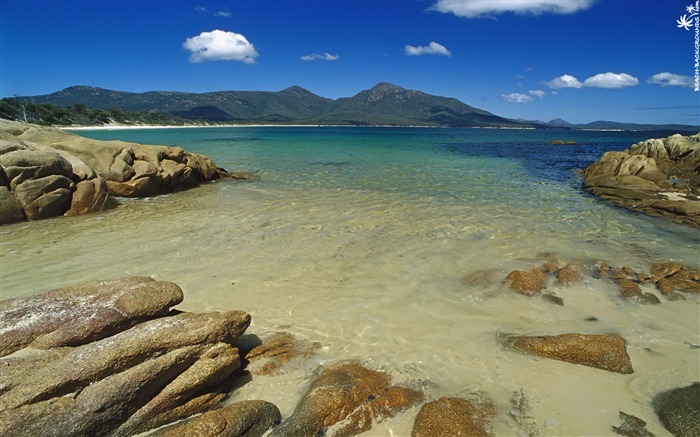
(362,240)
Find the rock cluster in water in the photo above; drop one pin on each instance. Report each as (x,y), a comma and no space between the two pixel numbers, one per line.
(656,176)
(670,279)
(115,358)
(46,172)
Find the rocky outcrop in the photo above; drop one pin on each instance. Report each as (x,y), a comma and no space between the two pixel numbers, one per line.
(118,361)
(454,417)
(46,172)
(344,400)
(606,351)
(656,176)
(678,410)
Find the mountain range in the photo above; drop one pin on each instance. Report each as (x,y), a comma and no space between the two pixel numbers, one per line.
(383,104)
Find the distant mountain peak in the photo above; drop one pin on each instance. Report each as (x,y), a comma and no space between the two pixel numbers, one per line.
(559,122)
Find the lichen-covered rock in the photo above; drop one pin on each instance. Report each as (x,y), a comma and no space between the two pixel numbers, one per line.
(678,410)
(453,417)
(242,419)
(344,400)
(602,351)
(82,313)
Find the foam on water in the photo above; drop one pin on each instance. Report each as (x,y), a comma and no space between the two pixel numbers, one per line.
(365,251)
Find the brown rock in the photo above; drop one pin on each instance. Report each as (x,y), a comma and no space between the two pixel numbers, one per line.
(453,417)
(242,419)
(550,266)
(527,283)
(122,403)
(570,274)
(631,426)
(44,197)
(605,351)
(95,361)
(16,369)
(628,288)
(602,269)
(637,177)
(280,348)
(83,313)
(684,280)
(666,269)
(89,196)
(12,211)
(343,401)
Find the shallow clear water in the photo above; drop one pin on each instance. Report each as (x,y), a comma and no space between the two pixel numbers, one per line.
(360,239)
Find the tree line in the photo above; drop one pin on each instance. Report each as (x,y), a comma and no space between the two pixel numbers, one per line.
(79,114)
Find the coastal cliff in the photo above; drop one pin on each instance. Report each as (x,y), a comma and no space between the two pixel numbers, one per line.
(658,176)
(47,172)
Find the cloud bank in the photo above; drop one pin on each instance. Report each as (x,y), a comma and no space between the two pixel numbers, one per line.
(431,49)
(602,80)
(219,45)
(670,79)
(316,57)
(480,8)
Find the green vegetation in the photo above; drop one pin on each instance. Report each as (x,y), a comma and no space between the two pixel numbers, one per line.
(79,114)
(384,104)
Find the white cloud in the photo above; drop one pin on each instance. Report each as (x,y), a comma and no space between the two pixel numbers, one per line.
(225,12)
(218,45)
(565,81)
(431,49)
(602,80)
(537,93)
(611,80)
(478,8)
(670,79)
(516,98)
(324,57)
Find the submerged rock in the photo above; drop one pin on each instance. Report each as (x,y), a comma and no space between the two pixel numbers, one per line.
(453,417)
(606,351)
(274,352)
(344,400)
(678,410)
(527,283)
(631,426)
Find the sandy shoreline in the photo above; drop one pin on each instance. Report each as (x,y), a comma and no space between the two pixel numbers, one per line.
(144,126)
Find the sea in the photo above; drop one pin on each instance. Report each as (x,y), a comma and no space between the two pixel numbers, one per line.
(390,246)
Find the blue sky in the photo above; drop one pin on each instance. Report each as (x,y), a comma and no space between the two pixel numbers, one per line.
(580,60)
